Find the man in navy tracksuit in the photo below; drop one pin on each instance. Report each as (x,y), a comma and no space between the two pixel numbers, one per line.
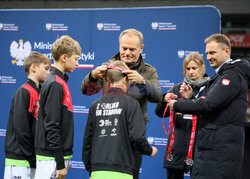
(114,130)
(20,159)
(55,125)
(220,140)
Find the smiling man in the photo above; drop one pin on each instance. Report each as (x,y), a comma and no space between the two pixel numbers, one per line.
(220,139)
(143,78)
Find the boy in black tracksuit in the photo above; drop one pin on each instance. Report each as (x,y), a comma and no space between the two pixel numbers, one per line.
(19,143)
(55,125)
(114,130)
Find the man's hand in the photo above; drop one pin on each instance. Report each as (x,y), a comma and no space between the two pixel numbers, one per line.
(186,91)
(169,95)
(99,72)
(171,104)
(61,174)
(133,76)
(154,151)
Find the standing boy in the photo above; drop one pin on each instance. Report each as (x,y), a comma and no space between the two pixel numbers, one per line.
(20,159)
(114,130)
(55,125)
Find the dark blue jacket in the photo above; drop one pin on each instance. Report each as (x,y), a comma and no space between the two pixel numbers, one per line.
(220,140)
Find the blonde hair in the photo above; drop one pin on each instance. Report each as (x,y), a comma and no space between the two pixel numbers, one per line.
(197,58)
(114,75)
(134,32)
(65,45)
(35,58)
(219,38)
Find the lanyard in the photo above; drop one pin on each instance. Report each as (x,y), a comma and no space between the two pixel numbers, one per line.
(106,79)
(189,160)
(165,110)
(168,156)
(163,125)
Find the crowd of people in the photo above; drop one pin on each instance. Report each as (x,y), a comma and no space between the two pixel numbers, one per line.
(206,115)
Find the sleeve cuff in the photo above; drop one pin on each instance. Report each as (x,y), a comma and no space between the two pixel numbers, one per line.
(174,106)
(91,78)
(32,163)
(59,160)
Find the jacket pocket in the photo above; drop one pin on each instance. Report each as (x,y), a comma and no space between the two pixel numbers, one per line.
(205,139)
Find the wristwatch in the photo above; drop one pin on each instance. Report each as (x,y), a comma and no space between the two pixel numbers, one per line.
(144,81)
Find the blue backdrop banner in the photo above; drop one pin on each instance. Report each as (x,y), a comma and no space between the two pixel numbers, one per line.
(170,33)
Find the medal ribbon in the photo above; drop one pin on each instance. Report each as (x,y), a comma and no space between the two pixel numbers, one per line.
(189,160)
(168,155)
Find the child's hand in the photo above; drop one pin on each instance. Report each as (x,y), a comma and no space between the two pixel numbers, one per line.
(154,151)
(61,174)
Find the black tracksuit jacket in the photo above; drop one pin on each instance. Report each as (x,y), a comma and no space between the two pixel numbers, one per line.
(19,141)
(115,128)
(55,125)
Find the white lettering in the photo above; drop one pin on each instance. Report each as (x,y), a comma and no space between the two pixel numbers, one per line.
(88,56)
(42,45)
(112,112)
(98,112)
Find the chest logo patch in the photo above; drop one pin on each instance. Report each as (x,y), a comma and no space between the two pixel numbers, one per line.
(225,82)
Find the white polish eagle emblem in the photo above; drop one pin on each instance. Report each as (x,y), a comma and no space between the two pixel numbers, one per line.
(19,51)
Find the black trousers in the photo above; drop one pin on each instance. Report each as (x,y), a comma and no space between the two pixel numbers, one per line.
(175,173)
(138,161)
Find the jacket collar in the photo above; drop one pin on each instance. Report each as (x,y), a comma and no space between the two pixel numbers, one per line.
(55,71)
(218,69)
(138,65)
(33,84)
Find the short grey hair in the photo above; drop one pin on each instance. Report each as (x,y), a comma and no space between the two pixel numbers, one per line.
(134,32)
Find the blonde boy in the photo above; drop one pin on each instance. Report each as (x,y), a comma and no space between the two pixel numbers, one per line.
(55,125)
